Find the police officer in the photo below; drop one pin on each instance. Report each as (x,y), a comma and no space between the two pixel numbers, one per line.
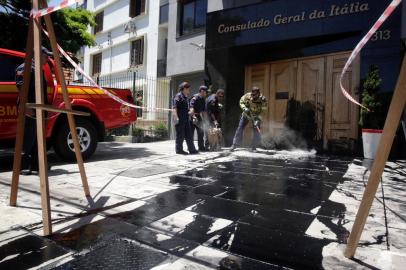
(30,155)
(253,104)
(213,111)
(213,108)
(197,111)
(182,122)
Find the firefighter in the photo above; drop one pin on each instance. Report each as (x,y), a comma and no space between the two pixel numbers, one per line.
(29,161)
(197,112)
(181,119)
(252,104)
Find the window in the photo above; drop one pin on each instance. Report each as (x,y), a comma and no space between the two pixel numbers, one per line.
(8,65)
(137,52)
(137,7)
(99,22)
(163,13)
(192,15)
(97,63)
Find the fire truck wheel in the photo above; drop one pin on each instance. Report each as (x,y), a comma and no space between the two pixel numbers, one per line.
(87,136)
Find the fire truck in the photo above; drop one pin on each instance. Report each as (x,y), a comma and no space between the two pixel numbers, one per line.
(105,113)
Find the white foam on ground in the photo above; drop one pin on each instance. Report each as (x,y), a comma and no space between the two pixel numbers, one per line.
(333,258)
(355,172)
(273,154)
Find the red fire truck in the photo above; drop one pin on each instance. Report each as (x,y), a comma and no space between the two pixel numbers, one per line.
(105,112)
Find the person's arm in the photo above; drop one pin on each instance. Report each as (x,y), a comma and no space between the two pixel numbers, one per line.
(192,106)
(243,105)
(175,109)
(210,109)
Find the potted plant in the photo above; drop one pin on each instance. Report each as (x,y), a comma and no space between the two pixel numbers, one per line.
(371,120)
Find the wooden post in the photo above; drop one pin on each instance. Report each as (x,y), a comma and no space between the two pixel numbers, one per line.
(21,116)
(68,105)
(42,153)
(34,48)
(391,124)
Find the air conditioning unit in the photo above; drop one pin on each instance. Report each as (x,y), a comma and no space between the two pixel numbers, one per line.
(130,27)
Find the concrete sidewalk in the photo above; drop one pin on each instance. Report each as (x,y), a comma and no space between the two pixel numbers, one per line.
(153,209)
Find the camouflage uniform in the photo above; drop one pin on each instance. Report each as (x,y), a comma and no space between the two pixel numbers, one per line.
(252,110)
(256,107)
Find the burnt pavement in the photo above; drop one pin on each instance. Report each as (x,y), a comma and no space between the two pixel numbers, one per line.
(152,209)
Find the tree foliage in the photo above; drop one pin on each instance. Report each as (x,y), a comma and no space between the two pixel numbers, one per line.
(70,26)
(373,118)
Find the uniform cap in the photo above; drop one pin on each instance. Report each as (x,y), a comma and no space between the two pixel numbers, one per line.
(203,87)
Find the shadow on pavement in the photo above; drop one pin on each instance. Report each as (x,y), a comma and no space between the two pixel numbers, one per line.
(105,151)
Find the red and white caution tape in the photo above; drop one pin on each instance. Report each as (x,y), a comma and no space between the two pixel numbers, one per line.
(107,92)
(388,11)
(42,12)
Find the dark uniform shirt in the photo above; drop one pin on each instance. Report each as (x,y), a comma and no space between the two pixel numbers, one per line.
(31,88)
(198,103)
(181,104)
(212,107)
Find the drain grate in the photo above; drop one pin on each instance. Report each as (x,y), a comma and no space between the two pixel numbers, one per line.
(148,171)
(119,254)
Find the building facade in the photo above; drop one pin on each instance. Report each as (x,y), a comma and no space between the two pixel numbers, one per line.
(131,37)
(296,50)
(186,41)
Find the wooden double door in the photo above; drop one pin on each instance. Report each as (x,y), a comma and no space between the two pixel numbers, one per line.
(315,80)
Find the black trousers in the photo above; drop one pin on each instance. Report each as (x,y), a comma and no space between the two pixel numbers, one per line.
(29,159)
(200,134)
(184,132)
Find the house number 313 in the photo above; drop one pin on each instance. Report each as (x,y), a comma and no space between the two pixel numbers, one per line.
(381,35)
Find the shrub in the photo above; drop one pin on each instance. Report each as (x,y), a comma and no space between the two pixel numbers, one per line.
(138,132)
(121,131)
(371,85)
(160,131)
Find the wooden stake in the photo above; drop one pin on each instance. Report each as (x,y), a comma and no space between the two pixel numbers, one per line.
(68,106)
(51,108)
(42,153)
(29,52)
(391,124)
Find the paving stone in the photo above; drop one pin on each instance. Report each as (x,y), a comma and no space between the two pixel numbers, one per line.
(28,251)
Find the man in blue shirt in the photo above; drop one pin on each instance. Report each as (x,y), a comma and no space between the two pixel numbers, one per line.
(197,111)
(181,119)
(213,111)
(213,108)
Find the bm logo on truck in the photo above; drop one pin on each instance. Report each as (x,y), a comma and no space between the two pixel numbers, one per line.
(8,110)
(125,110)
